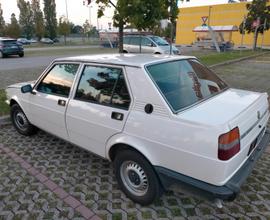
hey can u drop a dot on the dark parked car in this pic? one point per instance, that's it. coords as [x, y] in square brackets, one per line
[10, 46]
[56, 40]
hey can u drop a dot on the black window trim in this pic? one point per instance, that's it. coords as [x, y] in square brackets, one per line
[48, 70]
[103, 104]
[165, 99]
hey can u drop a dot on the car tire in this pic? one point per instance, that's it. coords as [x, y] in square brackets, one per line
[136, 177]
[21, 54]
[20, 121]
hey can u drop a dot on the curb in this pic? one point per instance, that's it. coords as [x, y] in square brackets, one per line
[238, 60]
[5, 120]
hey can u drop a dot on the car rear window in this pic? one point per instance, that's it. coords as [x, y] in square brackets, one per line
[185, 82]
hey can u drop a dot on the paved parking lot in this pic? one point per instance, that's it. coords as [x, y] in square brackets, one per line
[89, 180]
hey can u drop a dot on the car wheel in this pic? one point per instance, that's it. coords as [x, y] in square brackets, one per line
[20, 121]
[136, 177]
[21, 54]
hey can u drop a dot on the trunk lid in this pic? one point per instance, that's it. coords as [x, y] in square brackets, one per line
[233, 107]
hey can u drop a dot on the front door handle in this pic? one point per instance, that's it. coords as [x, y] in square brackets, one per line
[117, 116]
[61, 102]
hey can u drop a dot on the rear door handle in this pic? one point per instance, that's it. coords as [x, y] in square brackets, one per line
[61, 102]
[117, 116]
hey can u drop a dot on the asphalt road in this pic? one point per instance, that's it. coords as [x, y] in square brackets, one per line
[12, 63]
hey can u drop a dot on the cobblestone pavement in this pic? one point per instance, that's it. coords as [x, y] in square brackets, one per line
[90, 179]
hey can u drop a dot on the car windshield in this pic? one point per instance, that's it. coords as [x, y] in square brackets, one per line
[160, 41]
[185, 82]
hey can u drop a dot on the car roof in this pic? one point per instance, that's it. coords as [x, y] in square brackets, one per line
[134, 60]
[143, 35]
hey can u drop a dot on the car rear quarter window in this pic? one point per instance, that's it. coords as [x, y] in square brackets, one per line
[59, 80]
[103, 85]
[185, 82]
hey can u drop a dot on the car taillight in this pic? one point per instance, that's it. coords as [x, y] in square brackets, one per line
[229, 144]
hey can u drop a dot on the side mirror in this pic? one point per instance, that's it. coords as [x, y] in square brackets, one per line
[26, 89]
[151, 45]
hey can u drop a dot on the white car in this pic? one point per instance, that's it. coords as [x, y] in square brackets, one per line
[161, 120]
[149, 44]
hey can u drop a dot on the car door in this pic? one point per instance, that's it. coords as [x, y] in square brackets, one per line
[134, 46]
[99, 108]
[49, 99]
[147, 45]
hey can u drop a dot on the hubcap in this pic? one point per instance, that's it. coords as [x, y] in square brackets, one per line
[134, 178]
[20, 120]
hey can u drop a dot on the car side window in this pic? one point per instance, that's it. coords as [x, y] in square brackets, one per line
[59, 80]
[103, 85]
[135, 41]
[126, 40]
[146, 42]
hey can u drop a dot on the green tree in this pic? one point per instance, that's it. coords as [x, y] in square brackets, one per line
[13, 29]
[26, 18]
[50, 18]
[64, 28]
[2, 22]
[39, 28]
[119, 17]
[257, 10]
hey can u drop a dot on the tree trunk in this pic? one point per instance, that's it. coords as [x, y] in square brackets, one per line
[255, 39]
[121, 35]
[65, 37]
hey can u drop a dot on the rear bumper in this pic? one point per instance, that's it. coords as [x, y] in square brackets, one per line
[13, 52]
[226, 192]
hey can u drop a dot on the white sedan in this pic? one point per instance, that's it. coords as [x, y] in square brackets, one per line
[161, 120]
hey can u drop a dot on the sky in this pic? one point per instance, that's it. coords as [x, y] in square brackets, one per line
[78, 13]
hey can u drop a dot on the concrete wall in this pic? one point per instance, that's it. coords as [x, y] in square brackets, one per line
[225, 14]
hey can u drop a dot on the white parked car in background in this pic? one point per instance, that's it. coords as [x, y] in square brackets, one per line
[149, 44]
[161, 120]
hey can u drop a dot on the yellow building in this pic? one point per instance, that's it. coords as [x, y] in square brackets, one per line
[220, 15]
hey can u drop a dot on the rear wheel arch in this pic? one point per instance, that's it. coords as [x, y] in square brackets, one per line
[121, 146]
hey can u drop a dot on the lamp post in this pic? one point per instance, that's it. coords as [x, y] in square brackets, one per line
[90, 20]
[67, 10]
